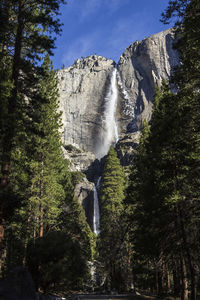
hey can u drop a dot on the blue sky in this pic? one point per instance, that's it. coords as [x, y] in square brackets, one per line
[105, 27]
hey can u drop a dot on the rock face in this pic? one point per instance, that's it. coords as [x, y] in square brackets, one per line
[85, 90]
[142, 66]
[82, 90]
[85, 162]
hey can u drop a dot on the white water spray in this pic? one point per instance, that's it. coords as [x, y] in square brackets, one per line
[109, 133]
[96, 214]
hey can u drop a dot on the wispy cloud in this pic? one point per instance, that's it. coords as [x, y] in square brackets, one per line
[89, 7]
[79, 48]
[105, 27]
[124, 33]
[114, 5]
[111, 43]
[109, 36]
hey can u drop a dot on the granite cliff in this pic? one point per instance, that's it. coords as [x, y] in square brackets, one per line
[84, 85]
[90, 83]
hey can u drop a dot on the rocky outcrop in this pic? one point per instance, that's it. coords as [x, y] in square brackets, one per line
[84, 191]
[85, 89]
[126, 148]
[82, 89]
[85, 166]
[142, 66]
[84, 85]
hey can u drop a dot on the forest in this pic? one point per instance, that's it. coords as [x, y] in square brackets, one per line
[149, 236]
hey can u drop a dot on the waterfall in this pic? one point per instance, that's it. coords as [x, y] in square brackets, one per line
[96, 214]
[108, 136]
[109, 132]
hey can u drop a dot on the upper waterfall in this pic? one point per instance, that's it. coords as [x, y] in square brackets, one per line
[109, 131]
[86, 86]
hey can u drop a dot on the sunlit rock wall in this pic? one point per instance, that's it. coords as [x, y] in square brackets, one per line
[142, 66]
[83, 87]
[82, 90]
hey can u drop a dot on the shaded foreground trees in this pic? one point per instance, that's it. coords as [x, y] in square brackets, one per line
[37, 202]
[26, 35]
[165, 184]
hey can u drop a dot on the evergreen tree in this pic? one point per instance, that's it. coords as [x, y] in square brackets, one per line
[47, 166]
[48, 216]
[39, 172]
[112, 231]
[26, 35]
[166, 185]
[166, 176]
[187, 81]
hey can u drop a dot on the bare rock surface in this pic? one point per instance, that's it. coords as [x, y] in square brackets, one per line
[83, 87]
[86, 163]
[142, 66]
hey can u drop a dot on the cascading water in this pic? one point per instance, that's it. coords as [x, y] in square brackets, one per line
[109, 132]
[109, 135]
[96, 215]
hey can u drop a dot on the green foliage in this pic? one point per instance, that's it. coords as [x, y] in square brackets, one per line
[175, 10]
[57, 263]
[165, 181]
[112, 186]
[77, 177]
[47, 217]
[47, 166]
[164, 186]
[112, 243]
[36, 184]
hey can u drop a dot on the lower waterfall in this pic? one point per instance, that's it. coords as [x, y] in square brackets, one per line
[96, 213]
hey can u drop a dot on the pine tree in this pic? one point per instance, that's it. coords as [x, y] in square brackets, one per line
[26, 35]
[112, 231]
[187, 80]
[166, 185]
[48, 208]
[166, 176]
[47, 165]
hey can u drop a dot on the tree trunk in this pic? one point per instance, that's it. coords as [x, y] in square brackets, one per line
[41, 223]
[176, 282]
[168, 281]
[10, 132]
[12, 104]
[184, 281]
[41, 209]
[189, 259]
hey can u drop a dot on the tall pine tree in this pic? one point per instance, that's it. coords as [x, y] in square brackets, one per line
[112, 206]
[26, 35]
